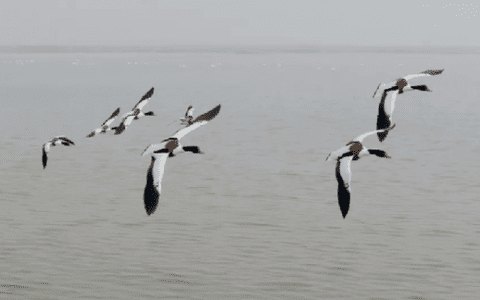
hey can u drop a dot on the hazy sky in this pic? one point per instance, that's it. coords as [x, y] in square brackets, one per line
[167, 22]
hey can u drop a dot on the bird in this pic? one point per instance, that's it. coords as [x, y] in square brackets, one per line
[354, 150]
[135, 113]
[188, 120]
[403, 85]
[58, 140]
[385, 109]
[169, 147]
[106, 125]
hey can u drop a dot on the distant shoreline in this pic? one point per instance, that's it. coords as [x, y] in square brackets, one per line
[241, 49]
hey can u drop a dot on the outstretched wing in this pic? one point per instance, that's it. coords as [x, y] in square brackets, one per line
[154, 147]
[189, 112]
[153, 186]
[209, 115]
[144, 100]
[45, 149]
[65, 141]
[385, 111]
[127, 120]
[199, 121]
[363, 136]
[424, 73]
[112, 117]
[94, 132]
[343, 174]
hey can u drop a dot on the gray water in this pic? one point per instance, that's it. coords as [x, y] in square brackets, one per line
[256, 216]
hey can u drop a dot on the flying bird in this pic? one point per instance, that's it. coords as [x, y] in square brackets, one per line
[106, 125]
[354, 150]
[135, 113]
[169, 148]
[58, 140]
[385, 108]
[188, 120]
[402, 83]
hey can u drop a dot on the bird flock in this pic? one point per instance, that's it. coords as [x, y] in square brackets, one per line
[169, 147]
[355, 149]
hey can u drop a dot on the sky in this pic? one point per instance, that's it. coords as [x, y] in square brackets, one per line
[240, 22]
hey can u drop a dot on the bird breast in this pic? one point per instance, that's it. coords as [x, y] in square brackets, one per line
[356, 147]
[401, 83]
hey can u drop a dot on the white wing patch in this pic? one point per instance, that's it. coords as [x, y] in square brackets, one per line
[158, 170]
[153, 147]
[408, 77]
[363, 136]
[128, 120]
[346, 172]
[184, 131]
[190, 112]
[424, 73]
[389, 105]
[141, 104]
[46, 147]
[109, 121]
[337, 153]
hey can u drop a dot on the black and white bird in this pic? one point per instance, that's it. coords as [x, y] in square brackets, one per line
[188, 119]
[354, 150]
[402, 83]
[58, 140]
[169, 148]
[385, 108]
[106, 125]
[135, 113]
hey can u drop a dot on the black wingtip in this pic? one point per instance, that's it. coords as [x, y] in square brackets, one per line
[209, 115]
[433, 72]
[382, 135]
[342, 192]
[44, 158]
[150, 194]
[344, 210]
[148, 94]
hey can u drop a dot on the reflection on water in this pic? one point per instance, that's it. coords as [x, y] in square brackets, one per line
[257, 215]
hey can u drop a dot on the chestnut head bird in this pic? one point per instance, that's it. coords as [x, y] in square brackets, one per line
[354, 150]
[58, 140]
[169, 148]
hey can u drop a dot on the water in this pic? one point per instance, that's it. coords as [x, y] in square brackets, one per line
[256, 216]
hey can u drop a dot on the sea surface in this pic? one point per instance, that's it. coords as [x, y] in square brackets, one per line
[256, 216]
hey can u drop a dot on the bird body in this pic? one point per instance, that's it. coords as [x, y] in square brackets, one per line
[354, 150]
[168, 148]
[58, 140]
[393, 89]
[135, 113]
[403, 85]
[188, 119]
[106, 125]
